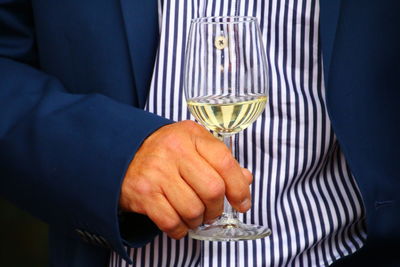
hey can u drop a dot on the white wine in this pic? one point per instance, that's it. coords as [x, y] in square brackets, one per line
[227, 114]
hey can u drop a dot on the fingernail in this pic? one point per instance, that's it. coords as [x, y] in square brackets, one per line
[245, 205]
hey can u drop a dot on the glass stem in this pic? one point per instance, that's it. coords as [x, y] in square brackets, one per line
[229, 211]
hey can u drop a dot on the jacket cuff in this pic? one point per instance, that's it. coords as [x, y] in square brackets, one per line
[116, 229]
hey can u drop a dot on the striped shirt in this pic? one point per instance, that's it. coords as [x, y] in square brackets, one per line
[303, 188]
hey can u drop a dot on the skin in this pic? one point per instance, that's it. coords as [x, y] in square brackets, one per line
[179, 178]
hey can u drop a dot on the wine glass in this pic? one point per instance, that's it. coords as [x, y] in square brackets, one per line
[226, 84]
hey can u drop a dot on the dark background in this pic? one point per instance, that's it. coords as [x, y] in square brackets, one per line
[23, 239]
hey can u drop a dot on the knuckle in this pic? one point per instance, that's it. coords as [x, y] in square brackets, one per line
[248, 175]
[170, 225]
[192, 127]
[170, 140]
[227, 161]
[146, 181]
[143, 187]
[216, 190]
[195, 213]
[152, 168]
[238, 195]
[179, 233]
[189, 124]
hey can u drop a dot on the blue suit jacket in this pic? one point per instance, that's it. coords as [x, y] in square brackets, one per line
[74, 76]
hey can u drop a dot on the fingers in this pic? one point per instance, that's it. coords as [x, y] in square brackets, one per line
[236, 180]
[248, 175]
[161, 194]
[179, 177]
[206, 182]
[186, 203]
[165, 217]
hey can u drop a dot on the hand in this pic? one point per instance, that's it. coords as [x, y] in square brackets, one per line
[179, 178]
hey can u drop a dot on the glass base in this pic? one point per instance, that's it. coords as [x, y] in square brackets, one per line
[229, 229]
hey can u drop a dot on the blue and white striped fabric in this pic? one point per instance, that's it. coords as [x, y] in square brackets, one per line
[303, 189]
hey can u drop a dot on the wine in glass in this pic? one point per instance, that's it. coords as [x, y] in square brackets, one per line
[226, 85]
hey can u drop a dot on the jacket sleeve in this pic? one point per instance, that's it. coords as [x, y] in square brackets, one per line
[62, 155]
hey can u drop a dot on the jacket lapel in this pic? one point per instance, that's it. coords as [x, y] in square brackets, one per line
[141, 27]
[329, 16]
